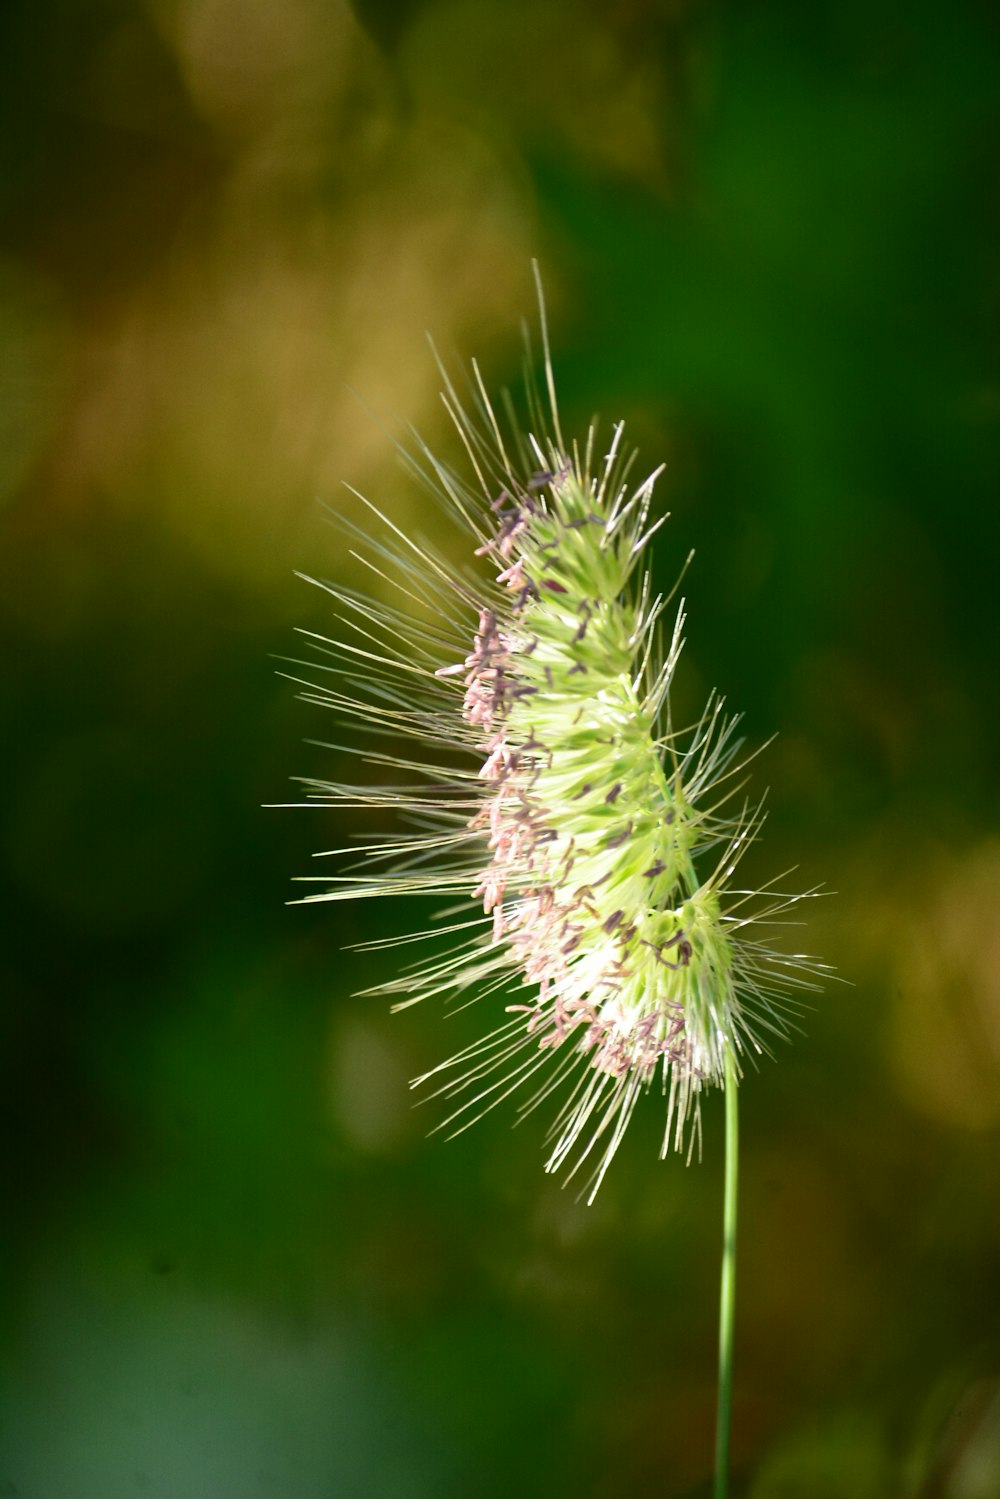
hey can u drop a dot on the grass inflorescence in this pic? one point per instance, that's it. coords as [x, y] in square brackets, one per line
[586, 844]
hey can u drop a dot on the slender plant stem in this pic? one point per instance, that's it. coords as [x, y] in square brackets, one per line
[727, 1289]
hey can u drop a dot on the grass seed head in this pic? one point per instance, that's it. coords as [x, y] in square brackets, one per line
[526, 705]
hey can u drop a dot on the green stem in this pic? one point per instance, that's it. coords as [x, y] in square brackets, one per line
[727, 1289]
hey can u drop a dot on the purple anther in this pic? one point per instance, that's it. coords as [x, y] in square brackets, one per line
[684, 950]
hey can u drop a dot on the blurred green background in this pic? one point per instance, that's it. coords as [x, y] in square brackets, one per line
[234, 1264]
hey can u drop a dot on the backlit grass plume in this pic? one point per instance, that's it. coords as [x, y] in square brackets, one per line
[584, 844]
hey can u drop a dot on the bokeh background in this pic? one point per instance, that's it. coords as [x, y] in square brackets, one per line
[234, 1265]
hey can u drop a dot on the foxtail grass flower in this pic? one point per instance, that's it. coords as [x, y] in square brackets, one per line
[585, 844]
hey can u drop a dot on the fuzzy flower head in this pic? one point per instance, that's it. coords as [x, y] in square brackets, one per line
[526, 700]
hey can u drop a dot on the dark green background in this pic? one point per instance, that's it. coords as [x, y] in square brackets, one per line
[233, 1263]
